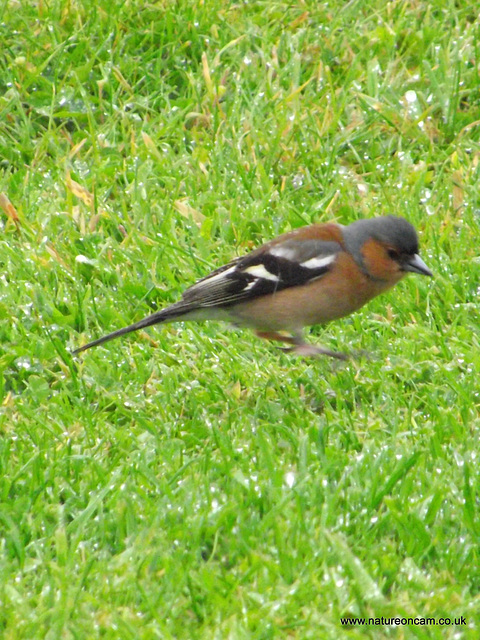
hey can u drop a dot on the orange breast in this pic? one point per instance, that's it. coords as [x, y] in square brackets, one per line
[318, 302]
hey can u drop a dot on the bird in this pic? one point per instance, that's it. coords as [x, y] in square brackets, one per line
[311, 275]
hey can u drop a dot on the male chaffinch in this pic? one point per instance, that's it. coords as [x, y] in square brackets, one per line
[308, 276]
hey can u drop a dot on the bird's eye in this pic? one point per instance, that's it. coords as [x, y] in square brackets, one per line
[393, 254]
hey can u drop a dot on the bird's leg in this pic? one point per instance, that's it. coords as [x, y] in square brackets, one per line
[279, 337]
[299, 346]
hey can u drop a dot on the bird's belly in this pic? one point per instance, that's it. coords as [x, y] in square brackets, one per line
[292, 309]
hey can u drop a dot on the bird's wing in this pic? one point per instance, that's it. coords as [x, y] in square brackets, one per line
[269, 269]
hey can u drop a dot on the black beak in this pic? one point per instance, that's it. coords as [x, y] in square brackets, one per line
[416, 265]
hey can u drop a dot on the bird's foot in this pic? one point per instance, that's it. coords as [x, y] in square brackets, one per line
[312, 350]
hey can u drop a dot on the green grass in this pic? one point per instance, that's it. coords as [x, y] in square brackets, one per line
[192, 482]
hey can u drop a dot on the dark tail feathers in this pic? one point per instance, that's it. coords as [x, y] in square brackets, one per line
[165, 315]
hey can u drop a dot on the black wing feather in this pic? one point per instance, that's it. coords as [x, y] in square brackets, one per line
[242, 279]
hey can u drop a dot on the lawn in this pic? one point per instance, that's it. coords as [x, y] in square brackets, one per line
[190, 481]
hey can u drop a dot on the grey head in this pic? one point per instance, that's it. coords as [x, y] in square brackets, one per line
[398, 236]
